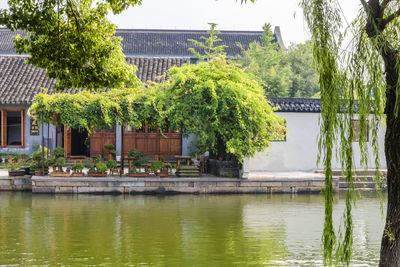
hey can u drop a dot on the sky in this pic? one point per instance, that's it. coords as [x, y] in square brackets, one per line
[228, 14]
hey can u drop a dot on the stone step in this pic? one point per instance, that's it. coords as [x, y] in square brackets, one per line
[369, 172]
[359, 185]
[360, 179]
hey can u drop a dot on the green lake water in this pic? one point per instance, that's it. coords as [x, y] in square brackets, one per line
[182, 230]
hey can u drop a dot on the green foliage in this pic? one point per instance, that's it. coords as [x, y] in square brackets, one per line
[134, 153]
[89, 110]
[77, 168]
[60, 162]
[269, 64]
[101, 167]
[37, 156]
[108, 146]
[112, 165]
[304, 76]
[222, 105]
[365, 75]
[141, 162]
[14, 166]
[157, 166]
[207, 45]
[51, 162]
[58, 152]
[73, 40]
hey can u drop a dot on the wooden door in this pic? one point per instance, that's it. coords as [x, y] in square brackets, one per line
[67, 141]
[97, 141]
[152, 142]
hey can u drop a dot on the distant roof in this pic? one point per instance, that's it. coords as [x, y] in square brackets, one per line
[162, 43]
[296, 104]
[20, 82]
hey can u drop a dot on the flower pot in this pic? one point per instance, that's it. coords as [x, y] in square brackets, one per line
[41, 174]
[77, 175]
[16, 173]
[95, 174]
[59, 174]
[162, 174]
[144, 174]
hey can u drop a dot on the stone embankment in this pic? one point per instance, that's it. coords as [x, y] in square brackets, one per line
[258, 183]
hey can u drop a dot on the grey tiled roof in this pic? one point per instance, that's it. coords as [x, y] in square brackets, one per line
[296, 104]
[161, 43]
[20, 82]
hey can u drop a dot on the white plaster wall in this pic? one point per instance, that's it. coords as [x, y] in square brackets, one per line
[299, 151]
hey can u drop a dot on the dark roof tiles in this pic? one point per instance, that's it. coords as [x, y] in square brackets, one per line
[312, 105]
[161, 43]
[20, 82]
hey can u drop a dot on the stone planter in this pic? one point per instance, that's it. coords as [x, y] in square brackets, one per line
[77, 175]
[144, 174]
[224, 168]
[95, 174]
[59, 174]
[161, 174]
[16, 173]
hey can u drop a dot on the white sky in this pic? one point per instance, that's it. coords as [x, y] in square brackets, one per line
[229, 14]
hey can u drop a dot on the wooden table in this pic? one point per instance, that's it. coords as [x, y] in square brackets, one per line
[183, 158]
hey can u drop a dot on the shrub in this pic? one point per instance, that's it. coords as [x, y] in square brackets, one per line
[112, 164]
[157, 166]
[101, 167]
[134, 153]
[58, 152]
[108, 146]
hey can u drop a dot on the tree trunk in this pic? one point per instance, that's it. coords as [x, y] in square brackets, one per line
[390, 246]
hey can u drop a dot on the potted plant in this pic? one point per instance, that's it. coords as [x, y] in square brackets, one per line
[77, 170]
[15, 169]
[108, 148]
[159, 168]
[135, 154]
[112, 166]
[97, 168]
[140, 168]
[36, 164]
[59, 162]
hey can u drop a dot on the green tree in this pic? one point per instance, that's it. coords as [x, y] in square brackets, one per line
[73, 40]
[367, 72]
[225, 107]
[304, 77]
[269, 64]
[207, 45]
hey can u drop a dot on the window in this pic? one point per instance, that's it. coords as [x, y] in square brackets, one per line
[12, 128]
[279, 134]
[355, 125]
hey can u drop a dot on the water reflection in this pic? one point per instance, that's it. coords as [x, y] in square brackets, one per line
[176, 230]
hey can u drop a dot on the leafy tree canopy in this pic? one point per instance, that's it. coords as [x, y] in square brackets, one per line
[73, 40]
[269, 63]
[208, 45]
[304, 76]
[225, 107]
